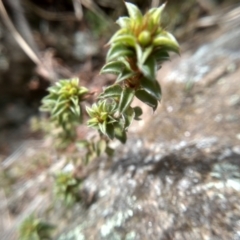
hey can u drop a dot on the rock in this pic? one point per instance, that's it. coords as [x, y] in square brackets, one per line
[190, 192]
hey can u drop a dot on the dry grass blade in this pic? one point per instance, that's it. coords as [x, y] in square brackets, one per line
[23, 44]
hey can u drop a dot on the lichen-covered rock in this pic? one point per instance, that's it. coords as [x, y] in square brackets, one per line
[188, 190]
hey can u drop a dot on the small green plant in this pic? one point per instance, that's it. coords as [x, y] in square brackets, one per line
[63, 104]
[33, 228]
[136, 52]
[67, 188]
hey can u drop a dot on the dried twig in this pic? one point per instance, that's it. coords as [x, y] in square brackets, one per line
[23, 44]
[78, 9]
[47, 71]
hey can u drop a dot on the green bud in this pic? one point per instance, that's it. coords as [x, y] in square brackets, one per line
[144, 38]
[73, 91]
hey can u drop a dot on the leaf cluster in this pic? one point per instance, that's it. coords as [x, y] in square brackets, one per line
[67, 188]
[63, 102]
[94, 148]
[33, 228]
[64, 105]
[136, 51]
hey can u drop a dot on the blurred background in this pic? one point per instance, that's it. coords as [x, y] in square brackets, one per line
[42, 41]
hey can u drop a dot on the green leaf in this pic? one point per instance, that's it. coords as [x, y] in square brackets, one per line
[166, 41]
[103, 127]
[124, 22]
[128, 115]
[133, 11]
[75, 110]
[125, 62]
[149, 68]
[147, 99]
[161, 55]
[53, 89]
[138, 112]
[125, 74]
[109, 151]
[152, 87]
[47, 101]
[91, 111]
[118, 50]
[82, 143]
[82, 91]
[60, 103]
[74, 100]
[125, 99]
[139, 53]
[126, 39]
[156, 13]
[114, 67]
[110, 131]
[120, 133]
[146, 54]
[111, 91]
[119, 32]
[58, 111]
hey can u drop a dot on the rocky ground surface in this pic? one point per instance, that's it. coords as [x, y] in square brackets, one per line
[177, 177]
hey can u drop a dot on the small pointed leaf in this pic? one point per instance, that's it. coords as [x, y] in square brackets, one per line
[161, 56]
[110, 131]
[118, 33]
[152, 87]
[114, 67]
[103, 127]
[58, 111]
[147, 99]
[120, 133]
[138, 112]
[111, 91]
[74, 100]
[125, 74]
[126, 39]
[128, 115]
[90, 111]
[167, 41]
[156, 14]
[146, 54]
[124, 22]
[125, 99]
[133, 11]
[139, 53]
[117, 51]
[149, 68]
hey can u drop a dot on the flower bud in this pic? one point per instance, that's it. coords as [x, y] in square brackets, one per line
[144, 38]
